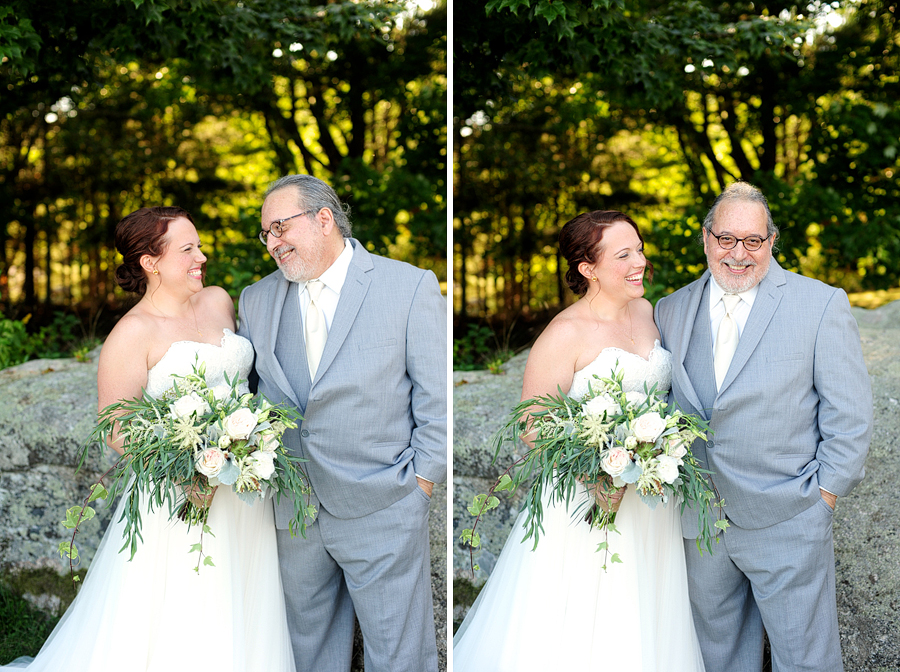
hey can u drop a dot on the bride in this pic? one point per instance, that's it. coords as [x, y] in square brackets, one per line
[154, 612]
[555, 607]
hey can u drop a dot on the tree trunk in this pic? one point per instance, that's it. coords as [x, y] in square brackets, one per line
[28, 242]
[48, 296]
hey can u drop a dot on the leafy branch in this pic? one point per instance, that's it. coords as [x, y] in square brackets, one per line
[603, 442]
[189, 441]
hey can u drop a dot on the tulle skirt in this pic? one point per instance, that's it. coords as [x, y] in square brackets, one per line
[555, 608]
[155, 613]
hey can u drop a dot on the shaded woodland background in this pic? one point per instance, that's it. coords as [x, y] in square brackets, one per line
[109, 105]
[652, 107]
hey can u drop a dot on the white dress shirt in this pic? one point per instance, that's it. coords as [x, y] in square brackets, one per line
[717, 307]
[333, 278]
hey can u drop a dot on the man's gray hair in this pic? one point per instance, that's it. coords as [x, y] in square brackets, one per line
[314, 194]
[741, 191]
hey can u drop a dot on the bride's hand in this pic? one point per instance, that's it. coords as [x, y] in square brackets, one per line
[199, 495]
[609, 501]
[606, 497]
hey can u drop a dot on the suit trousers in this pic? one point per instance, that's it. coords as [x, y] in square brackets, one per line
[378, 567]
[778, 579]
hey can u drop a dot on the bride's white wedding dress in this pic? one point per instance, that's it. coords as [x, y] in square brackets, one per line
[155, 613]
[555, 608]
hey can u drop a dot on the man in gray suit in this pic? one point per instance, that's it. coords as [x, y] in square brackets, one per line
[773, 360]
[357, 343]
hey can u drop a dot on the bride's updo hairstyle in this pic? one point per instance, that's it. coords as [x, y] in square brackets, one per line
[143, 232]
[580, 239]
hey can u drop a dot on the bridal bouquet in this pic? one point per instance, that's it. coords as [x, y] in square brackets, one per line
[179, 447]
[608, 440]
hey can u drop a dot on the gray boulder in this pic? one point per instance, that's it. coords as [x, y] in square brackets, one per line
[47, 410]
[866, 529]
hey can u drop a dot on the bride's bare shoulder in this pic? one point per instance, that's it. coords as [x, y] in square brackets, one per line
[130, 338]
[561, 340]
[569, 324]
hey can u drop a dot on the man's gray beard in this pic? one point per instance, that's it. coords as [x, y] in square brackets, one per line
[294, 274]
[304, 269]
[734, 285]
[301, 269]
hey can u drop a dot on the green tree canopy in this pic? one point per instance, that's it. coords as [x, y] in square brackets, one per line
[683, 97]
[108, 105]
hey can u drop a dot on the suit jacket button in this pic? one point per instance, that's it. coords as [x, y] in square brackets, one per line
[304, 433]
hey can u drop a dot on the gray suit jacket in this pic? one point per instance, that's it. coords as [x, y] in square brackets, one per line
[376, 413]
[794, 412]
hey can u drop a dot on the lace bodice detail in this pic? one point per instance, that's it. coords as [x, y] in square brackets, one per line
[233, 355]
[656, 369]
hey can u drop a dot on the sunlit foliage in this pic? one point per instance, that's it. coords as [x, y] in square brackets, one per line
[652, 108]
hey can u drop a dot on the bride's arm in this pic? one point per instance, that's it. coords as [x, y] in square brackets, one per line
[122, 370]
[550, 368]
[551, 363]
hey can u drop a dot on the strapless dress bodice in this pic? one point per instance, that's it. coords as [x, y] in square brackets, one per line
[233, 355]
[656, 369]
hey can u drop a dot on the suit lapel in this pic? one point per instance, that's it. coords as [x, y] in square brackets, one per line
[352, 294]
[279, 377]
[764, 306]
[684, 329]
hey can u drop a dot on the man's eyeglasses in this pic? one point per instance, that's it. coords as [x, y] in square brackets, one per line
[729, 242]
[277, 227]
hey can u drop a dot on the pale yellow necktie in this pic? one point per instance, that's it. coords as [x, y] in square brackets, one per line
[727, 338]
[315, 330]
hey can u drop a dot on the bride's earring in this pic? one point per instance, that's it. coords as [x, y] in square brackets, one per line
[593, 278]
[155, 271]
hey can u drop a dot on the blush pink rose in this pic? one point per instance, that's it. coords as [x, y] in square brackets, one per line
[615, 461]
[210, 462]
[239, 424]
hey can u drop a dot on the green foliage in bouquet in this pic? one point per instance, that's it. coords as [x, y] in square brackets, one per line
[187, 442]
[606, 441]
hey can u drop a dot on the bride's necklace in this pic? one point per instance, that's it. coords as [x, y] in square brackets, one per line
[630, 324]
[193, 312]
[197, 326]
[630, 334]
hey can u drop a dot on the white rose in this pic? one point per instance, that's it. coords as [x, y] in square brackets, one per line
[224, 441]
[648, 427]
[210, 462]
[616, 461]
[239, 424]
[262, 464]
[631, 443]
[667, 468]
[635, 399]
[600, 405]
[268, 443]
[221, 392]
[677, 448]
[189, 404]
